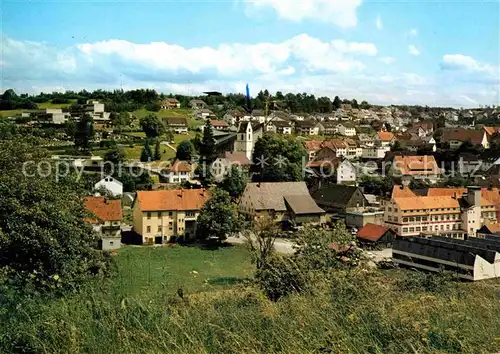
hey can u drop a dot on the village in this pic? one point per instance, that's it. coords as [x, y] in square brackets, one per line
[423, 182]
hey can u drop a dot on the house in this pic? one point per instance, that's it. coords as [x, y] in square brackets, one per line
[416, 167]
[280, 127]
[386, 138]
[178, 124]
[422, 129]
[96, 110]
[165, 215]
[222, 165]
[346, 129]
[280, 201]
[338, 168]
[203, 113]
[375, 153]
[106, 218]
[246, 137]
[329, 127]
[449, 216]
[312, 147]
[112, 185]
[233, 117]
[472, 259]
[197, 104]
[415, 145]
[219, 124]
[368, 140]
[49, 116]
[307, 127]
[456, 137]
[170, 103]
[338, 198]
[373, 236]
[489, 229]
[178, 172]
[490, 131]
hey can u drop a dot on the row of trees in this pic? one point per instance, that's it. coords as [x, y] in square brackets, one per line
[128, 101]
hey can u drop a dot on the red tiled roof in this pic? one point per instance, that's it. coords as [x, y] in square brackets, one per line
[491, 130]
[417, 165]
[218, 123]
[313, 145]
[180, 166]
[237, 157]
[177, 199]
[385, 136]
[103, 209]
[463, 135]
[372, 232]
[446, 192]
[401, 192]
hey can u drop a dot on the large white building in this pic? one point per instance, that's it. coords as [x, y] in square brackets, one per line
[111, 184]
[247, 136]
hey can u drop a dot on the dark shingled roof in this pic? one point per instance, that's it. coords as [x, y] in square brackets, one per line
[335, 195]
[306, 123]
[176, 121]
[303, 204]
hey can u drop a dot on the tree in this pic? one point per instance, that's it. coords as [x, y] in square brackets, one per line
[207, 145]
[157, 155]
[234, 182]
[364, 105]
[218, 217]
[152, 126]
[45, 243]
[146, 153]
[337, 102]
[120, 120]
[388, 127]
[116, 155]
[325, 105]
[84, 133]
[70, 128]
[354, 104]
[185, 150]
[279, 158]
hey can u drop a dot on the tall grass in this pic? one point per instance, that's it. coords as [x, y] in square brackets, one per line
[351, 312]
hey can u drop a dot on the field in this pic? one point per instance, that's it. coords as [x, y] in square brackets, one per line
[190, 300]
[163, 270]
[193, 123]
[17, 112]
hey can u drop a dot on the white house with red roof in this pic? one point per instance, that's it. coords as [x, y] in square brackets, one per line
[105, 215]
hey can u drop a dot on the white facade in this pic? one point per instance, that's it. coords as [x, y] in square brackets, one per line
[114, 186]
[375, 152]
[346, 172]
[246, 139]
[346, 131]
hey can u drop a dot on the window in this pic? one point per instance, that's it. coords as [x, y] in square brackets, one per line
[447, 227]
[412, 229]
[405, 229]
[412, 219]
[159, 229]
[396, 219]
[170, 225]
[424, 218]
[405, 219]
[389, 209]
[148, 215]
[148, 229]
[417, 218]
[111, 243]
[159, 214]
[170, 213]
[442, 227]
[424, 228]
[417, 229]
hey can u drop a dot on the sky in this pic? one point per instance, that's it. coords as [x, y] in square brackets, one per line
[427, 52]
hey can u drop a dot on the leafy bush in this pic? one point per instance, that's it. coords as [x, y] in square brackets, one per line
[281, 276]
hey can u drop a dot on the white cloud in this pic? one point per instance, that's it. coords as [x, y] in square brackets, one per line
[413, 50]
[464, 62]
[355, 47]
[299, 64]
[341, 13]
[387, 60]
[378, 23]
[412, 32]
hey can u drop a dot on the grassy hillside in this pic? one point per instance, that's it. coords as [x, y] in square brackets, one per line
[220, 312]
[164, 113]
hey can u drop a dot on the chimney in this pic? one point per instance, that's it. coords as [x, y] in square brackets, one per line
[474, 195]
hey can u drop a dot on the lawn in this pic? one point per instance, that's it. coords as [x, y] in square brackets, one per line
[17, 112]
[161, 270]
[55, 105]
[193, 123]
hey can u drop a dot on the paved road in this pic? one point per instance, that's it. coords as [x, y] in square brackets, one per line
[170, 146]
